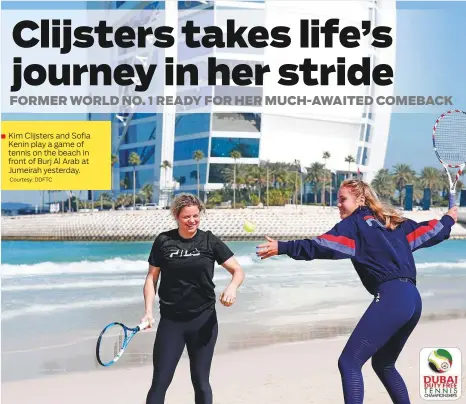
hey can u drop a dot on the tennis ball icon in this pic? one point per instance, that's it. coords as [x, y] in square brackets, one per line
[249, 226]
[440, 360]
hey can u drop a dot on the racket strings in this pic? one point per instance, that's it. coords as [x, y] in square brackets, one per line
[118, 345]
[111, 343]
[450, 138]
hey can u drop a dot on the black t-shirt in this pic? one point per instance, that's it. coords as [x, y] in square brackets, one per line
[186, 271]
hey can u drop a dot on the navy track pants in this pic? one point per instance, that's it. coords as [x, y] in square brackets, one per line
[381, 335]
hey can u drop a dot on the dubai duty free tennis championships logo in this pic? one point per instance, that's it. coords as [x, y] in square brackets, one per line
[440, 374]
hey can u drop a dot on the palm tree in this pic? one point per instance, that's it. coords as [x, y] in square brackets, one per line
[165, 165]
[235, 155]
[460, 185]
[431, 178]
[402, 175]
[325, 156]
[445, 183]
[349, 159]
[314, 175]
[279, 175]
[105, 197]
[250, 181]
[258, 174]
[383, 183]
[418, 190]
[123, 200]
[198, 155]
[134, 160]
[146, 191]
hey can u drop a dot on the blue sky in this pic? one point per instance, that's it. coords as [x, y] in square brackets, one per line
[430, 60]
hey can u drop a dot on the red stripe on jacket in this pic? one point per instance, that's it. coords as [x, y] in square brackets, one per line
[421, 231]
[347, 242]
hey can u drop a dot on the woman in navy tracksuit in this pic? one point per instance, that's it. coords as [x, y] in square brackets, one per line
[380, 244]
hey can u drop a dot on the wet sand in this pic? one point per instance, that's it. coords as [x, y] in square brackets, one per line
[286, 372]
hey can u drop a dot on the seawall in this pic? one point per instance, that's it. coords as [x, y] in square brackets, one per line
[277, 222]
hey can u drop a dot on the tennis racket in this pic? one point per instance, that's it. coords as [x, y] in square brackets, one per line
[449, 139]
[113, 341]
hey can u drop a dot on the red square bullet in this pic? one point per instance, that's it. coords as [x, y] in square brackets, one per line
[3, 136]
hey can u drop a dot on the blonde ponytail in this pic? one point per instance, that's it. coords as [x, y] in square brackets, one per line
[383, 212]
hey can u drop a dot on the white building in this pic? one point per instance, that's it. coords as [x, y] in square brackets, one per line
[260, 133]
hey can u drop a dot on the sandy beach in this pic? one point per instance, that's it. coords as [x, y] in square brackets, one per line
[299, 372]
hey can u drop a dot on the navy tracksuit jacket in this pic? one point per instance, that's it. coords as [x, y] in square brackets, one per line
[378, 254]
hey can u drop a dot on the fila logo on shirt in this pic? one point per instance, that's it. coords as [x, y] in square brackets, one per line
[185, 253]
[370, 220]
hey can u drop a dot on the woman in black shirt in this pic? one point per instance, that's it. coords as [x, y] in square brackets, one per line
[185, 258]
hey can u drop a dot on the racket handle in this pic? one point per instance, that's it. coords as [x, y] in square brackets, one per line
[452, 200]
[143, 325]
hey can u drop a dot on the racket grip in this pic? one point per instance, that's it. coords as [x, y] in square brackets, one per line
[143, 325]
[451, 200]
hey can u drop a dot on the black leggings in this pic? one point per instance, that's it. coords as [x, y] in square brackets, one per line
[199, 335]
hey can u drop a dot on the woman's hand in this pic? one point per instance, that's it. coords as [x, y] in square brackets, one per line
[453, 212]
[148, 317]
[228, 297]
[267, 250]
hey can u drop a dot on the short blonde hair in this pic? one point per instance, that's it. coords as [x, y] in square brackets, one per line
[183, 200]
